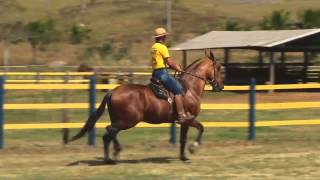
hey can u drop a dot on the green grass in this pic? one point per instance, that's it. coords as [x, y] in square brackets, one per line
[277, 153]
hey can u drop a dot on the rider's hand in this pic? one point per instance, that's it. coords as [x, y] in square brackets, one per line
[179, 68]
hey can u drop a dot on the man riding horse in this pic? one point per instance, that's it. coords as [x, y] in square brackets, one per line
[160, 61]
[129, 104]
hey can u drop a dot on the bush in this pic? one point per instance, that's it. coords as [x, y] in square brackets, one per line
[310, 19]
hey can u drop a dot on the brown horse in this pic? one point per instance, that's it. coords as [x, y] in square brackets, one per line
[130, 104]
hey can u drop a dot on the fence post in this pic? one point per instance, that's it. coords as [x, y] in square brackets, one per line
[65, 117]
[92, 104]
[38, 77]
[173, 134]
[252, 128]
[1, 112]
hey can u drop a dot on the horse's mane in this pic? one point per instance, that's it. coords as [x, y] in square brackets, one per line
[189, 68]
[196, 62]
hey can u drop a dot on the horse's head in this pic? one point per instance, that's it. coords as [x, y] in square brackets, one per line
[214, 76]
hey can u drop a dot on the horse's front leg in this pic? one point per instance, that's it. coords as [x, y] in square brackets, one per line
[183, 140]
[194, 146]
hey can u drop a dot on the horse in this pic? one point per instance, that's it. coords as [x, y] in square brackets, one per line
[130, 104]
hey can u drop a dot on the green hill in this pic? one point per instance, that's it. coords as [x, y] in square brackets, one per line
[125, 26]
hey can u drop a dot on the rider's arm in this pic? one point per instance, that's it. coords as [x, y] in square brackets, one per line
[172, 64]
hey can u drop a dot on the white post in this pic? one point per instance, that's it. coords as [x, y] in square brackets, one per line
[6, 57]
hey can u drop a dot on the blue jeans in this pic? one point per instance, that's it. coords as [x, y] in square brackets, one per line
[168, 81]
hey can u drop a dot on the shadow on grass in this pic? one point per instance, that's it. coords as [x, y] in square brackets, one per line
[100, 162]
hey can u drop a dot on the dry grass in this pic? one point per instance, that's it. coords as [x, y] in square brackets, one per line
[131, 22]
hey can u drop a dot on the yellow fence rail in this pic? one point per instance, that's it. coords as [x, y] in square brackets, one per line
[46, 81]
[112, 86]
[260, 106]
[166, 125]
[46, 73]
[72, 73]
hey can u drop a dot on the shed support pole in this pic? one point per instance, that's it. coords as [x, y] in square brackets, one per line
[272, 70]
[260, 59]
[226, 64]
[283, 57]
[305, 66]
[184, 58]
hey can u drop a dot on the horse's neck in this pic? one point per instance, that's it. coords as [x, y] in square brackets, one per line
[193, 84]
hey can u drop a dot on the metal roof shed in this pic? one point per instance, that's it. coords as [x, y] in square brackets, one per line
[305, 40]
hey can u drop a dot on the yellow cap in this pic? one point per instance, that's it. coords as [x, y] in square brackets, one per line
[160, 32]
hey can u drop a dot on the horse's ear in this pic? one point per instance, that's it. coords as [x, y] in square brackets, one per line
[209, 54]
[206, 53]
[212, 56]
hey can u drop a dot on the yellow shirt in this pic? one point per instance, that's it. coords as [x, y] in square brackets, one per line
[159, 52]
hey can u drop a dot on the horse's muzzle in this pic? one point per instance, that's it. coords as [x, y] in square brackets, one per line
[216, 87]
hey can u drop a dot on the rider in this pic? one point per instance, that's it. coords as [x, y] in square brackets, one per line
[160, 60]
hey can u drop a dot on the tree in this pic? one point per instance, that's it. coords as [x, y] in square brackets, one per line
[232, 25]
[278, 20]
[10, 33]
[41, 33]
[310, 19]
[79, 33]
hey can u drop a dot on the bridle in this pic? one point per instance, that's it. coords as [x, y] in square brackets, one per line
[212, 82]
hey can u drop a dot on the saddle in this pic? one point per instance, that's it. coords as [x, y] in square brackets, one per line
[160, 91]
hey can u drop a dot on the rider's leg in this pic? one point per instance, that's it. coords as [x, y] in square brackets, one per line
[174, 86]
[182, 115]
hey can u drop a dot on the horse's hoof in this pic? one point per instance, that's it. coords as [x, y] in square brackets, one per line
[183, 158]
[193, 147]
[109, 162]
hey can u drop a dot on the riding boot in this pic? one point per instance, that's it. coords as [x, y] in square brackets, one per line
[182, 116]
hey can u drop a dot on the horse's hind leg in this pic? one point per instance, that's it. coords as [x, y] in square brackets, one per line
[117, 148]
[107, 138]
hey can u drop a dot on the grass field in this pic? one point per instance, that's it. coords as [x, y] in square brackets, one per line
[278, 152]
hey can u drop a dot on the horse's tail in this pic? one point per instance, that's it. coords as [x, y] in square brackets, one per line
[94, 117]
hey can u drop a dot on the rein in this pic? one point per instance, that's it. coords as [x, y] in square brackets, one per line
[203, 79]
